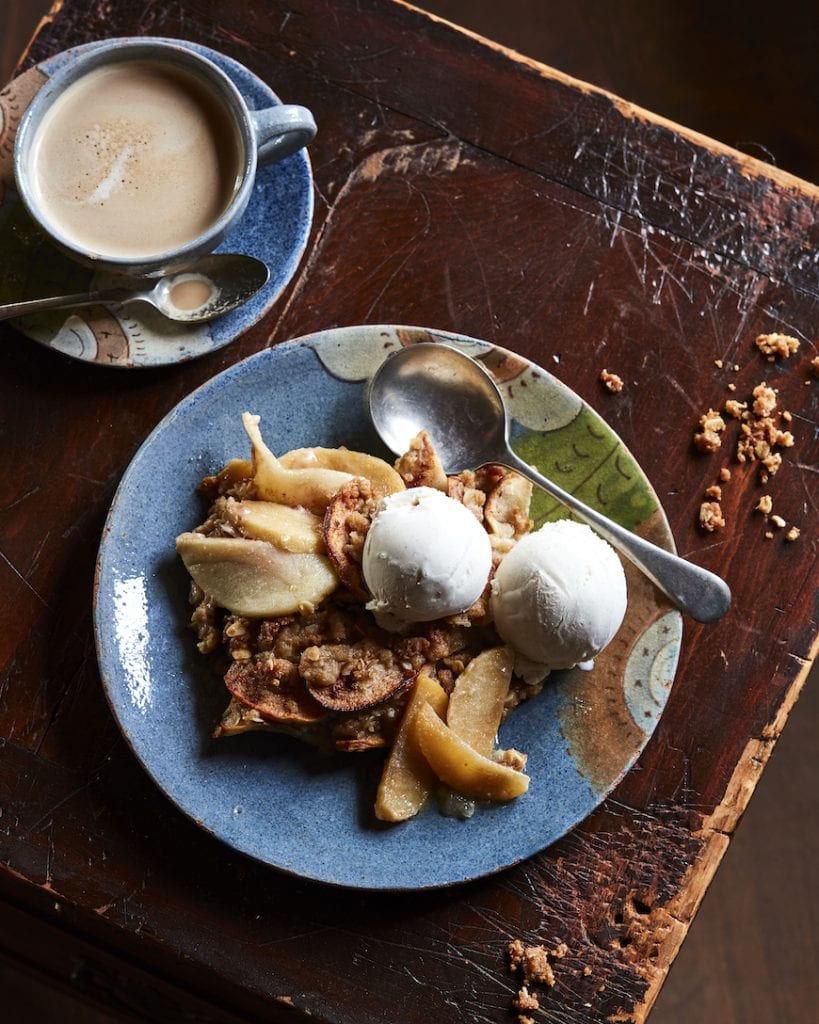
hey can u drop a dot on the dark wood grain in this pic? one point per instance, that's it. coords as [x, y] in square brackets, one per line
[459, 188]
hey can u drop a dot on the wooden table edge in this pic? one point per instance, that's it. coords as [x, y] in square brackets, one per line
[749, 165]
[672, 920]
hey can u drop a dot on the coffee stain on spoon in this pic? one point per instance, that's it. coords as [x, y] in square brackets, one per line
[189, 292]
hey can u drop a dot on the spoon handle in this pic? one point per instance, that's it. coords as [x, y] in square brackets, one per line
[13, 309]
[695, 591]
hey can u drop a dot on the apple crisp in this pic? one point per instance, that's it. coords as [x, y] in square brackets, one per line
[279, 605]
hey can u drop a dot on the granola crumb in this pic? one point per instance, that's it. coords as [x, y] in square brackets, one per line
[536, 966]
[776, 346]
[611, 381]
[765, 504]
[525, 1000]
[725, 474]
[515, 950]
[735, 367]
[732, 386]
[714, 491]
[586, 971]
[735, 408]
[710, 517]
[793, 533]
[764, 400]
[778, 522]
[768, 535]
[525, 1019]
[718, 363]
[787, 416]
[708, 439]
[560, 950]
[814, 365]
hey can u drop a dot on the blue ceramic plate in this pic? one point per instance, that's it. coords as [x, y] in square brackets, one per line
[276, 799]
[274, 228]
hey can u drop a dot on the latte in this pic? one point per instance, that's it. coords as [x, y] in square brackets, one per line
[135, 159]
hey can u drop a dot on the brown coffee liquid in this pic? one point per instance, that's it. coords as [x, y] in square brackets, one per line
[136, 159]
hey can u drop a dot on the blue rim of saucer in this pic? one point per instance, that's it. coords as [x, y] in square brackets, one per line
[274, 228]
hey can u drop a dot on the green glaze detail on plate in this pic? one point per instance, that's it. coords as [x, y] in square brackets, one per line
[587, 459]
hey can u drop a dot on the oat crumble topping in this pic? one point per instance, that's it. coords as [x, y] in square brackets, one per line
[793, 533]
[765, 504]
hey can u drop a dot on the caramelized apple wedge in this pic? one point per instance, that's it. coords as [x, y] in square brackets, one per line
[254, 578]
[311, 488]
[290, 529]
[407, 779]
[476, 703]
[344, 460]
[459, 765]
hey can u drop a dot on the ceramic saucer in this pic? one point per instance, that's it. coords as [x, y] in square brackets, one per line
[274, 228]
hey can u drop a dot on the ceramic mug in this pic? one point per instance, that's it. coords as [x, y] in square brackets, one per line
[139, 155]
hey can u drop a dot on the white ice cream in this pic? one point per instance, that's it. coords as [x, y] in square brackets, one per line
[426, 556]
[558, 597]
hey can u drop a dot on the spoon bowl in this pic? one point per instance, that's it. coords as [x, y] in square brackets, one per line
[208, 288]
[435, 387]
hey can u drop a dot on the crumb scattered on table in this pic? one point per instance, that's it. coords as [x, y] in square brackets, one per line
[778, 522]
[714, 491]
[711, 517]
[725, 474]
[532, 965]
[765, 504]
[776, 346]
[708, 439]
[793, 533]
[611, 381]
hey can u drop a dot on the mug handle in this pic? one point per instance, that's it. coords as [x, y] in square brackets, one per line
[281, 130]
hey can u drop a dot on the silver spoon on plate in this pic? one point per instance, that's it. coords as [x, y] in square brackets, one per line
[438, 388]
[207, 288]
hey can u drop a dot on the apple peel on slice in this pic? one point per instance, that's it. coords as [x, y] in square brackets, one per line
[460, 766]
[254, 578]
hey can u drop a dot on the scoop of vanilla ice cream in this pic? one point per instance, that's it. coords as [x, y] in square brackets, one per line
[426, 556]
[558, 597]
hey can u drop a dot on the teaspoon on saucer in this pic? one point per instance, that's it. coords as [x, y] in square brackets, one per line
[438, 388]
[205, 289]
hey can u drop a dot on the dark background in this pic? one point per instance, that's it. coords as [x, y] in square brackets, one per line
[746, 74]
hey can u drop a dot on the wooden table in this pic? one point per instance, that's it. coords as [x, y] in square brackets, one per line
[461, 188]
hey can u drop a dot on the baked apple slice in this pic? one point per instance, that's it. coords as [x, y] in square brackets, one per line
[353, 677]
[254, 578]
[407, 779]
[476, 702]
[459, 765]
[273, 688]
[381, 475]
[289, 529]
[311, 488]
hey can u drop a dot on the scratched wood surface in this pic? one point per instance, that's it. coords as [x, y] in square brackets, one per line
[459, 188]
